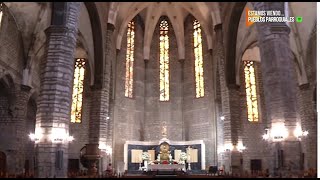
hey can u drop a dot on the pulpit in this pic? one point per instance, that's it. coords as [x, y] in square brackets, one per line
[90, 155]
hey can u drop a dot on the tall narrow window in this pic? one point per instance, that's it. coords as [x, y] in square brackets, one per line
[129, 60]
[1, 13]
[198, 64]
[251, 91]
[76, 108]
[164, 61]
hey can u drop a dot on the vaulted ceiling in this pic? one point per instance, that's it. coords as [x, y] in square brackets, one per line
[120, 14]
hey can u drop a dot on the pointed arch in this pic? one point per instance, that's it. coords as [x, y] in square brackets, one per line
[231, 31]
[97, 43]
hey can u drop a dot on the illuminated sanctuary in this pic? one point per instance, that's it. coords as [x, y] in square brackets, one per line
[118, 89]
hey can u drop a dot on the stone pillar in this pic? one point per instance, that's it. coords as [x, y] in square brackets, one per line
[278, 75]
[19, 118]
[230, 104]
[183, 135]
[308, 123]
[98, 128]
[143, 127]
[54, 104]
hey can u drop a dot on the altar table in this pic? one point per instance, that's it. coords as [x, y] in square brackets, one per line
[155, 167]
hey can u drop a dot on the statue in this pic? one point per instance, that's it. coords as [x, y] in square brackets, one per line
[164, 152]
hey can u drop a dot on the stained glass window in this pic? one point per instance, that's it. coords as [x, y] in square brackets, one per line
[251, 91]
[129, 60]
[198, 64]
[76, 108]
[1, 13]
[164, 61]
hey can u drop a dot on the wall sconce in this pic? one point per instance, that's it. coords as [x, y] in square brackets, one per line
[228, 147]
[298, 133]
[105, 148]
[36, 136]
[220, 149]
[222, 118]
[278, 132]
[240, 147]
[59, 135]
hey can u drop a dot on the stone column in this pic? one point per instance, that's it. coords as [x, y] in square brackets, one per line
[143, 127]
[98, 128]
[19, 117]
[54, 104]
[183, 135]
[278, 75]
[309, 123]
[230, 104]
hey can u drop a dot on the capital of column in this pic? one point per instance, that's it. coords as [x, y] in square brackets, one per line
[58, 29]
[218, 30]
[118, 51]
[279, 28]
[110, 27]
[25, 88]
[218, 27]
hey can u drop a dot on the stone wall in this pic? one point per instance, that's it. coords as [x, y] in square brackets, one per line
[198, 113]
[128, 113]
[11, 50]
[11, 65]
[157, 112]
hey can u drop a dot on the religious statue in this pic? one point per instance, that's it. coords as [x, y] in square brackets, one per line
[164, 152]
[164, 131]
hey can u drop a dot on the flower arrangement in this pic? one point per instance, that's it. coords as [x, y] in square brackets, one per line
[183, 156]
[145, 156]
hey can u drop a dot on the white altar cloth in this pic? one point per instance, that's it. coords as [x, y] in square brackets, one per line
[154, 167]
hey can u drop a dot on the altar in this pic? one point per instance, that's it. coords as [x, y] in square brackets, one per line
[161, 167]
[164, 155]
[134, 152]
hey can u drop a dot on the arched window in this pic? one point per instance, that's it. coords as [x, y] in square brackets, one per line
[129, 60]
[76, 108]
[251, 91]
[164, 61]
[198, 63]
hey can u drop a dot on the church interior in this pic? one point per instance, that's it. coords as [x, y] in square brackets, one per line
[148, 89]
